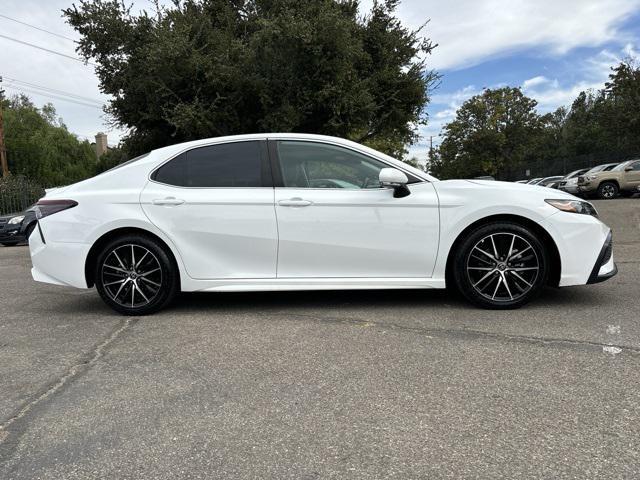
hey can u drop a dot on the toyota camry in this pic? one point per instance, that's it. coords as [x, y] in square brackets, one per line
[308, 212]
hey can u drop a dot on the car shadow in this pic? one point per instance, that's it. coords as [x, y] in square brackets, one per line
[361, 299]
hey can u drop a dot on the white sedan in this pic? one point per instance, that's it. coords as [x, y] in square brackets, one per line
[307, 212]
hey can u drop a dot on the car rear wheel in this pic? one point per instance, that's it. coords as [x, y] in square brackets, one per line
[135, 275]
[607, 190]
[501, 265]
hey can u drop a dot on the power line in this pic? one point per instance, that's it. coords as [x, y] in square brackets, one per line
[51, 95]
[47, 50]
[53, 90]
[37, 28]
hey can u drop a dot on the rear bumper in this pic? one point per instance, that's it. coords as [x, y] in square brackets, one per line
[605, 267]
[58, 262]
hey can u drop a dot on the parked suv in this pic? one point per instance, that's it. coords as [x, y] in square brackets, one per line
[623, 178]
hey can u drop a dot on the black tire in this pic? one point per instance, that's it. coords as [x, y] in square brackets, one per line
[607, 190]
[480, 279]
[152, 277]
[28, 232]
[9, 244]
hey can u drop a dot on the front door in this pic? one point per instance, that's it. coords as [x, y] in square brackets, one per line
[335, 220]
[216, 205]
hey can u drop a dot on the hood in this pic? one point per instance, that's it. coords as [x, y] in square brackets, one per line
[513, 187]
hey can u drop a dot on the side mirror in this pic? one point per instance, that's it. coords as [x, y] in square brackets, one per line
[394, 178]
[628, 169]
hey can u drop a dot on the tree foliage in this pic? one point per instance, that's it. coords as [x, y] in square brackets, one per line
[202, 68]
[491, 133]
[500, 132]
[40, 147]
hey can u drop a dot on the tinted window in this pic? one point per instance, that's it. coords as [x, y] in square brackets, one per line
[226, 165]
[318, 165]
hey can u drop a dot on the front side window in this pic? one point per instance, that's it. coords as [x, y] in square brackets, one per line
[635, 166]
[235, 164]
[320, 165]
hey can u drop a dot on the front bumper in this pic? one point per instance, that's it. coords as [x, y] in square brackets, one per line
[13, 235]
[605, 267]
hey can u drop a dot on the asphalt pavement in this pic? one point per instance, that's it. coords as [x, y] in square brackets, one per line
[397, 384]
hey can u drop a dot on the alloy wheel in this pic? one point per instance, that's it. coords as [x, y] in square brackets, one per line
[503, 267]
[131, 275]
[608, 191]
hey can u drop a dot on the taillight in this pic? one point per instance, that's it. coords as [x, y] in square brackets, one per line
[44, 208]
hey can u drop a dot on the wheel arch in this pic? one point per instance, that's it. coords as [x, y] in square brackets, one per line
[609, 180]
[94, 251]
[546, 238]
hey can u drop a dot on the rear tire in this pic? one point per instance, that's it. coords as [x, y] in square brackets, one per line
[501, 265]
[135, 275]
[9, 244]
[607, 190]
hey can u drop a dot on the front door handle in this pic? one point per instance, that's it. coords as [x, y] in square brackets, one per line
[295, 202]
[169, 201]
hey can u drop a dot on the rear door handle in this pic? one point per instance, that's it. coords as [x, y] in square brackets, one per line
[295, 202]
[169, 201]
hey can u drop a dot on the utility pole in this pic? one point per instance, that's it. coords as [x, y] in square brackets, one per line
[3, 151]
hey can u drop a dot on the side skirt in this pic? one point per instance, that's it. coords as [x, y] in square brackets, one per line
[292, 284]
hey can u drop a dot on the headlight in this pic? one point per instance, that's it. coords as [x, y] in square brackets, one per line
[15, 220]
[574, 206]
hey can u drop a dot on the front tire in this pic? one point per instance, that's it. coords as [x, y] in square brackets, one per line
[607, 190]
[135, 275]
[28, 232]
[501, 265]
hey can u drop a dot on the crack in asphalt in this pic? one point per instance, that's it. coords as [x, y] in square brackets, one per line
[73, 372]
[460, 332]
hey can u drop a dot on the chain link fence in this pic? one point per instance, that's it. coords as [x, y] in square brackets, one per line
[18, 193]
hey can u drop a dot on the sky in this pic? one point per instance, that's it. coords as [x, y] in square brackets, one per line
[553, 49]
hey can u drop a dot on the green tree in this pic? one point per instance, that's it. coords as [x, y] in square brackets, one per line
[40, 147]
[205, 68]
[111, 158]
[493, 134]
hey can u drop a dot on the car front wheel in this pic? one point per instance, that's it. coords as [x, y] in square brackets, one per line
[501, 265]
[135, 275]
[607, 190]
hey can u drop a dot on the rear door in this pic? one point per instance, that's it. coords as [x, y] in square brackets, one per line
[216, 204]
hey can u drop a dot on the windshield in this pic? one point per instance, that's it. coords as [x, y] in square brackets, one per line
[599, 168]
[622, 166]
[575, 173]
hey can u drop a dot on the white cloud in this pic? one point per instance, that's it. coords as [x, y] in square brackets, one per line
[594, 72]
[535, 81]
[471, 31]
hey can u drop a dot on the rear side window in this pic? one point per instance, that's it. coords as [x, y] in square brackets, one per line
[235, 164]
